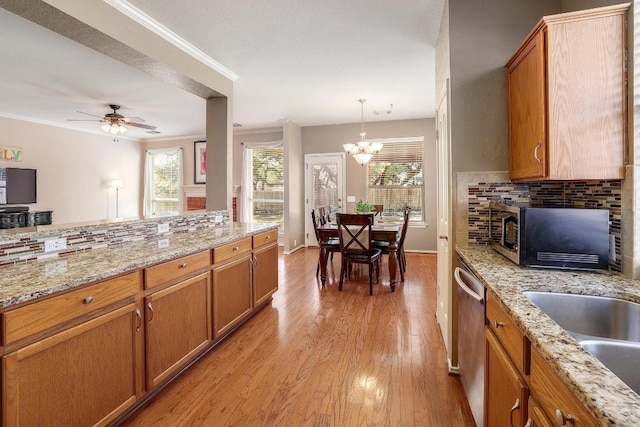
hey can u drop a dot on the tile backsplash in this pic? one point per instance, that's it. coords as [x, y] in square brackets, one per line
[570, 194]
[28, 246]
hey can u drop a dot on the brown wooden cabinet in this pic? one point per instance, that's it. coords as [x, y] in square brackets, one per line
[567, 98]
[506, 393]
[232, 296]
[265, 266]
[178, 326]
[554, 397]
[537, 417]
[83, 376]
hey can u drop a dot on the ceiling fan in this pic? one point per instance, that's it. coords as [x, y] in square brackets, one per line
[114, 122]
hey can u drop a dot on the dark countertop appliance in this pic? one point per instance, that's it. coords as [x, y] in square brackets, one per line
[567, 238]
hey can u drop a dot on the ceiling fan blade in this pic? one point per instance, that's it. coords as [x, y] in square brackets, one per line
[89, 114]
[133, 119]
[140, 125]
[83, 120]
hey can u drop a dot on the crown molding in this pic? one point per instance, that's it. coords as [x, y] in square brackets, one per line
[145, 20]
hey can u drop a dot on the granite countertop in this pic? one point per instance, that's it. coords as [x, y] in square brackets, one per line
[30, 280]
[607, 398]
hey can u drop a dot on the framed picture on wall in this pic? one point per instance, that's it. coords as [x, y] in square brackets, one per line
[200, 162]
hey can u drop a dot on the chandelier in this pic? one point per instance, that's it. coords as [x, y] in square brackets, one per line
[363, 150]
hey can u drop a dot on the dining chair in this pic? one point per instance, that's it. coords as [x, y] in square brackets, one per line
[383, 245]
[378, 210]
[354, 234]
[330, 246]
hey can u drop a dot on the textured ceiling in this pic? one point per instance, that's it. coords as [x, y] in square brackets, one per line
[307, 61]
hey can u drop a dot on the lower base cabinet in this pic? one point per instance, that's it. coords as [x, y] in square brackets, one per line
[178, 326]
[62, 380]
[265, 273]
[506, 393]
[232, 298]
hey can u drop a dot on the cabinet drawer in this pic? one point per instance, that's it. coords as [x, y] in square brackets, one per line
[509, 335]
[553, 395]
[265, 238]
[231, 250]
[171, 270]
[40, 316]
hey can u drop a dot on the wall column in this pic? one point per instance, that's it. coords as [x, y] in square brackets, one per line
[219, 153]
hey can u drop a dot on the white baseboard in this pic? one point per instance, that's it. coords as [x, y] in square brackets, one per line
[293, 250]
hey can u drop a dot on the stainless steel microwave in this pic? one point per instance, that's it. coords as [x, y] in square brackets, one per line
[551, 237]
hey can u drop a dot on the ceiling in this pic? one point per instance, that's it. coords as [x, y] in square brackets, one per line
[302, 60]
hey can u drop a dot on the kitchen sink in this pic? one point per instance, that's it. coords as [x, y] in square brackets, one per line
[608, 328]
[620, 357]
[587, 316]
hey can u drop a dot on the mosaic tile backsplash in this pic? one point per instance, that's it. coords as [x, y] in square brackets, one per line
[573, 194]
[29, 246]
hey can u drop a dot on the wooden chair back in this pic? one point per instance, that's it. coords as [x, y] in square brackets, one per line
[354, 233]
[405, 226]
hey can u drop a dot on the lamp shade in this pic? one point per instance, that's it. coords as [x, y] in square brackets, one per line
[116, 183]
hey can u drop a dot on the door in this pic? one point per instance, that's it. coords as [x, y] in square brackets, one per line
[232, 297]
[265, 273]
[444, 313]
[324, 186]
[178, 326]
[82, 376]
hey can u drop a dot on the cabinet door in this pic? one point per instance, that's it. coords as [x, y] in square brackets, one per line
[82, 376]
[537, 418]
[505, 393]
[232, 300]
[265, 274]
[178, 326]
[527, 111]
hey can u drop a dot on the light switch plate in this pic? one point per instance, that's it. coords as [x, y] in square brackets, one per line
[351, 199]
[163, 228]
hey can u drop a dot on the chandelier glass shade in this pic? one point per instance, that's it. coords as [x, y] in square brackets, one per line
[363, 150]
[114, 128]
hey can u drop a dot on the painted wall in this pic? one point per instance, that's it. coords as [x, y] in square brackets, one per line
[329, 139]
[187, 145]
[74, 170]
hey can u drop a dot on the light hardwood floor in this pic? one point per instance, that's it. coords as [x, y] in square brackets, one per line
[319, 357]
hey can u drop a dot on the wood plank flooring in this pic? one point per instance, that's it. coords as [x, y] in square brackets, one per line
[319, 357]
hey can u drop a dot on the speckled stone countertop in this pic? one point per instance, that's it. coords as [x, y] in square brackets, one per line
[34, 279]
[607, 398]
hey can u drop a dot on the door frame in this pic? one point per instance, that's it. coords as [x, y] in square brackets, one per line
[446, 311]
[310, 238]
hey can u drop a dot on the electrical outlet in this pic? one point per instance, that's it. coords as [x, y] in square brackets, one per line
[51, 245]
[217, 219]
[351, 199]
[163, 243]
[163, 228]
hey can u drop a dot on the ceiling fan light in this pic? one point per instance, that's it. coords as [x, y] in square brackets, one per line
[122, 129]
[114, 130]
[106, 127]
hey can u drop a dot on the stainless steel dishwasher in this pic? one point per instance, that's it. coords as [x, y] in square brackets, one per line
[471, 346]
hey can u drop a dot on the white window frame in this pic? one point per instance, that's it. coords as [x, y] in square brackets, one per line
[148, 181]
[412, 223]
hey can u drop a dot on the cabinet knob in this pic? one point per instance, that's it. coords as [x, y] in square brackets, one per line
[563, 419]
[150, 307]
[139, 323]
[236, 248]
[88, 300]
[497, 324]
[183, 265]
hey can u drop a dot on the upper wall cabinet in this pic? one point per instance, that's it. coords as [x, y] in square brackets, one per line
[567, 96]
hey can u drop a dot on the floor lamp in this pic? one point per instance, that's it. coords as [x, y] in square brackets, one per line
[117, 184]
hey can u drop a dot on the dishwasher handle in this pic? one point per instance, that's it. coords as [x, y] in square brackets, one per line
[460, 272]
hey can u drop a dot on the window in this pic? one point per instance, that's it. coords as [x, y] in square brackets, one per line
[395, 178]
[163, 181]
[263, 187]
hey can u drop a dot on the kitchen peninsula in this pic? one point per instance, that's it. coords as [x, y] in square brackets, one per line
[93, 331]
[607, 400]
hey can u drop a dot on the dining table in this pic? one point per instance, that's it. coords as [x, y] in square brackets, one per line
[380, 231]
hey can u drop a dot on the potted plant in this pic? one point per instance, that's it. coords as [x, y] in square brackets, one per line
[364, 207]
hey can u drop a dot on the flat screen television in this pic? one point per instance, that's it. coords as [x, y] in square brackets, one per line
[17, 186]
